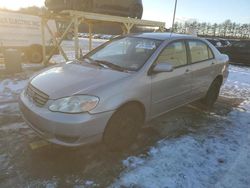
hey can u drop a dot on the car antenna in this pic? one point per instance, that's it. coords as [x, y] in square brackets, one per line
[175, 6]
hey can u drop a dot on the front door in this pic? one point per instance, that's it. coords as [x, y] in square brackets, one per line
[171, 89]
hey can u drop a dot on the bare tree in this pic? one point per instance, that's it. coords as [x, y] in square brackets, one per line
[227, 29]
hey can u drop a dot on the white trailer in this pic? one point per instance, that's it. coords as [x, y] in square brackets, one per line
[23, 32]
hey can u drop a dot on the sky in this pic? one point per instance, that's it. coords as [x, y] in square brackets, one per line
[162, 10]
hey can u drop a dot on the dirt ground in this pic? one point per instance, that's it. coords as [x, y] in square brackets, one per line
[28, 161]
[54, 166]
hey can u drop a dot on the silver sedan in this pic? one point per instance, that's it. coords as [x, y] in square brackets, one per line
[111, 92]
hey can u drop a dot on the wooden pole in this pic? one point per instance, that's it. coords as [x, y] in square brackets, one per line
[90, 35]
[43, 21]
[77, 47]
[60, 41]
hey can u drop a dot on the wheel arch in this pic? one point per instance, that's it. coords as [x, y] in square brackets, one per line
[220, 78]
[137, 103]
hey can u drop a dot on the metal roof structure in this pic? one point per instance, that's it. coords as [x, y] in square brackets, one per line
[75, 18]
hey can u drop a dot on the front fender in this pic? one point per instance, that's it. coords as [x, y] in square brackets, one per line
[129, 90]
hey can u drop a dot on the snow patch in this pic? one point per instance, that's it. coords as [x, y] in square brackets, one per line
[11, 88]
[218, 157]
[14, 127]
[238, 83]
[133, 162]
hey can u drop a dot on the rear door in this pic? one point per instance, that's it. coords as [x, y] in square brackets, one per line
[171, 89]
[202, 64]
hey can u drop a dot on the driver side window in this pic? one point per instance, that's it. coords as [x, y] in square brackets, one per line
[174, 54]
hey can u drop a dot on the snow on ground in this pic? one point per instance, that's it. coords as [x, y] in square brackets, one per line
[238, 83]
[10, 88]
[68, 47]
[219, 156]
[14, 126]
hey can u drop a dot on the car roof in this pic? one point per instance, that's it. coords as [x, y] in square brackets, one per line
[162, 36]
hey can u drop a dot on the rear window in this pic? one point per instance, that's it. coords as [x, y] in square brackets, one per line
[200, 51]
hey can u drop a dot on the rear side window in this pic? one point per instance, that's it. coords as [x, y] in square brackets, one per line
[200, 51]
[210, 53]
[174, 54]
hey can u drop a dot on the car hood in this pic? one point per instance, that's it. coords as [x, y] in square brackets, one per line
[74, 78]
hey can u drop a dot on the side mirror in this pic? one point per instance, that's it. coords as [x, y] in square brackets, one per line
[163, 67]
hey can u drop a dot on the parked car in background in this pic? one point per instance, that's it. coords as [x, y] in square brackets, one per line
[225, 43]
[128, 8]
[106, 37]
[217, 43]
[114, 89]
[233, 40]
[239, 52]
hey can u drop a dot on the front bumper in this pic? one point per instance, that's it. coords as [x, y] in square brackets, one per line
[64, 129]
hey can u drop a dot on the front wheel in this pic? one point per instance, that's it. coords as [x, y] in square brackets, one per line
[123, 128]
[212, 94]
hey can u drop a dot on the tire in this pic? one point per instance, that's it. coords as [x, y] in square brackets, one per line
[69, 36]
[123, 127]
[136, 11]
[212, 94]
[34, 54]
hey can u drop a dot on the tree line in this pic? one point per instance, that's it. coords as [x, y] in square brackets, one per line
[227, 29]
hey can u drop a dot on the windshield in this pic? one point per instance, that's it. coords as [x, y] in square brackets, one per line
[128, 53]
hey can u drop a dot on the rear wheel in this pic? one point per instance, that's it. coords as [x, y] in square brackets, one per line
[123, 127]
[212, 94]
[34, 54]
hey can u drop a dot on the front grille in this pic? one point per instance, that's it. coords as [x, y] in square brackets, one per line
[38, 97]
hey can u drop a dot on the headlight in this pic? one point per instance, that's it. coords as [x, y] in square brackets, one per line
[75, 104]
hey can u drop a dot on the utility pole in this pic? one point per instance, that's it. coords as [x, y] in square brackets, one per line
[175, 6]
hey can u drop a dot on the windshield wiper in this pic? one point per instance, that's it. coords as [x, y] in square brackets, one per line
[93, 62]
[110, 65]
[106, 64]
